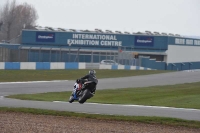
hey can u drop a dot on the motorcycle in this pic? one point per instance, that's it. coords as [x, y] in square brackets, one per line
[85, 93]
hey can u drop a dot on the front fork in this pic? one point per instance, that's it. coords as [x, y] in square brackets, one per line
[75, 94]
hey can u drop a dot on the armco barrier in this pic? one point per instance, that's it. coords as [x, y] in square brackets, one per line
[63, 65]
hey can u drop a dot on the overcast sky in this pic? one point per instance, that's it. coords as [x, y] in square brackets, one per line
[170, 16]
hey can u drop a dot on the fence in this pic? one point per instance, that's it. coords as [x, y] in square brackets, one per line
[51, 54]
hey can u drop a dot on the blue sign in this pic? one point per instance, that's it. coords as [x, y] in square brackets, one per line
[45, 37]
[144, 41]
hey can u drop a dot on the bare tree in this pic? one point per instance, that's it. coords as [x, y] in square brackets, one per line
[8, 17]
[15, 17]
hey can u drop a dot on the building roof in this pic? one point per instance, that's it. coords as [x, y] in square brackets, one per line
[155, 33]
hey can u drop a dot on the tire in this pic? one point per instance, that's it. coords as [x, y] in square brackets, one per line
[71, 99]
[84, 96]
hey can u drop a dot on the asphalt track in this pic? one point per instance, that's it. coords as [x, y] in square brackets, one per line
[111, 83]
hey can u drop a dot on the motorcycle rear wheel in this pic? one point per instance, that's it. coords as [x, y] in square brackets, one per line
[84, 96]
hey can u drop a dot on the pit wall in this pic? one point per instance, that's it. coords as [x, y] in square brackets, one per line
[180, 66]
[153, 64]
[183, 66]
[63, 65]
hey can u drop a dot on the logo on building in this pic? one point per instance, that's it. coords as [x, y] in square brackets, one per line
[144, 41]
[45, 37]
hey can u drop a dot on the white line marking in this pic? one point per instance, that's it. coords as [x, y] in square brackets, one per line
[60, 102]
[161, 107]
[31, 82]
[1, 97]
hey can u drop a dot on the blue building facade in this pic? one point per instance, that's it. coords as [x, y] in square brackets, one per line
[93, 40]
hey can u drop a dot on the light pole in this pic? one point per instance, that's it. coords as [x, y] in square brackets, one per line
[78, 53]
[69, 43]
[1, 24]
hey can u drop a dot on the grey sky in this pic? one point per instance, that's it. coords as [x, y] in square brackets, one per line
[170, 16]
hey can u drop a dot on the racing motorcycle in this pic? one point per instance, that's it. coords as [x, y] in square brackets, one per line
[85, 93]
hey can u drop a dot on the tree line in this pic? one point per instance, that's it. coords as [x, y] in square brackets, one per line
[14, 17]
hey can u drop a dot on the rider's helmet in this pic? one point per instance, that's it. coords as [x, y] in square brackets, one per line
[78, 81]
[92, 72]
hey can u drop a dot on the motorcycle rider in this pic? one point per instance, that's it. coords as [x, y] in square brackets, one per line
[89, 77]
[77, 86]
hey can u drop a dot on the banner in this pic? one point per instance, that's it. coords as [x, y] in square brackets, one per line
[45, 37]
[144, 41]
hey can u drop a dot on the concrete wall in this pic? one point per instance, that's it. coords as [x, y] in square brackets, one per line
[179, 54]
[152, 63]
[63, 65]
[183, 66]
[2, 65]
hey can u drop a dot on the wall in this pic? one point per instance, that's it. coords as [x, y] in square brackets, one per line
[183, 41]
[183, 66]
[64, 38]
[152, 63]
[63, 65]
[146, 63]
[179, 54]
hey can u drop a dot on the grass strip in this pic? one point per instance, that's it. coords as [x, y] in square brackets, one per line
[38, 75]
[142, 119]
[180, 96]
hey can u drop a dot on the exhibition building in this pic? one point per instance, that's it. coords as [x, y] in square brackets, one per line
[149, 50]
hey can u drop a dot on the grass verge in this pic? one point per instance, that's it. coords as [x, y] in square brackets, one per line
[142, 119]
[180, 96]
[38, 75]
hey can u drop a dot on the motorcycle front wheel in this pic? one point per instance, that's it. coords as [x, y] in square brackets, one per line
[71, 99]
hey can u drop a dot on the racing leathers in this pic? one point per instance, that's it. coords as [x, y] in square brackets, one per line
[81, 81]
[90, 77]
